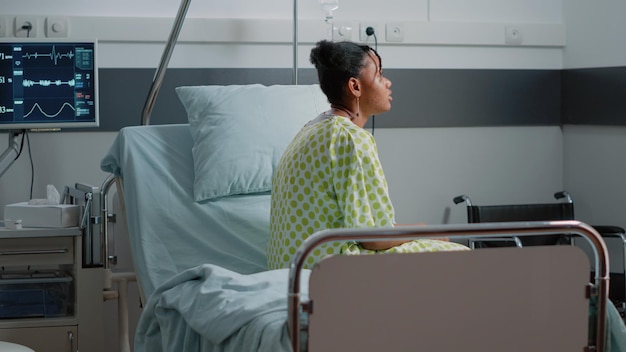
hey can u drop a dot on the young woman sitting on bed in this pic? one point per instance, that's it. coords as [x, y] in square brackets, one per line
[330, 175]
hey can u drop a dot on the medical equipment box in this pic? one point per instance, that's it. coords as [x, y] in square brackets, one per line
[57, 215]
[28, 295]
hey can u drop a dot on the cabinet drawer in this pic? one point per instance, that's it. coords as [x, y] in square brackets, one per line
[44, 339]
[36, 250]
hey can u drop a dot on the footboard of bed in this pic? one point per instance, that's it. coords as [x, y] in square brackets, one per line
[501, 299]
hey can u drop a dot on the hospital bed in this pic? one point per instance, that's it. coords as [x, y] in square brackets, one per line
[196, 201]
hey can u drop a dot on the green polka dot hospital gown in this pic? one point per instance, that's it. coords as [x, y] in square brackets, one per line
[330, 177]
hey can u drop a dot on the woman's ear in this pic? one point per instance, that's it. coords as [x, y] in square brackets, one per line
[354, 85]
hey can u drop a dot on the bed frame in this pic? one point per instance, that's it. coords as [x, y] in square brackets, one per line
[451, 300]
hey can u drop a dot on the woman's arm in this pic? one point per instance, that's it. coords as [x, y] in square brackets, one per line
[382, 245]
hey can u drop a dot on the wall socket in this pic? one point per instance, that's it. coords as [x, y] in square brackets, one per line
[394, 32]
[57, 26]
[31, 21]
[342, 31]
[362, 32]
[513, 35]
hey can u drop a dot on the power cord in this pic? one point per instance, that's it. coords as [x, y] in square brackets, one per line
[26, 137]
[32, 165]
[19, 152]
[371, 32]
[27, 27]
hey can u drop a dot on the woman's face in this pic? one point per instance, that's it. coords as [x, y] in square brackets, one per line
[376, 93]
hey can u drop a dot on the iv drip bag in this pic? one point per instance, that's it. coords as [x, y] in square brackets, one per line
[328, 6]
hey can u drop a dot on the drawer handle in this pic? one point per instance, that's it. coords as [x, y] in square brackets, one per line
[70, 337]
[35, 251]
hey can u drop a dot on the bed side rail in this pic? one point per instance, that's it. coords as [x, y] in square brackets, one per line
[599, 292]
[120, 278]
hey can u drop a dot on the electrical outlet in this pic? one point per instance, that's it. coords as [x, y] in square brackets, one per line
[26, 26]
[3, 26]
[394, 32]
[363, 31]
[342, 31]
[57, 27]
[513, 35]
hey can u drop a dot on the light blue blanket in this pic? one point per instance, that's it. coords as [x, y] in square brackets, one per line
[209, 308]
[617, 330]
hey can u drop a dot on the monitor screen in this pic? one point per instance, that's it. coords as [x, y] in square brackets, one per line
[48, 84]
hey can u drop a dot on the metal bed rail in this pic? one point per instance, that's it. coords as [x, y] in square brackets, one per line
[159, 75]
[599, 292]
[120, 278]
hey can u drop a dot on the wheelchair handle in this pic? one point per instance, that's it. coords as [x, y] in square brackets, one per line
[462, 198]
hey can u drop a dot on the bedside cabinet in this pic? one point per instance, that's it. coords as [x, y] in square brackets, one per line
[49, 301]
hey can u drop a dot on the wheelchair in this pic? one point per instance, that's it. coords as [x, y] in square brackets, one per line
[562, 209]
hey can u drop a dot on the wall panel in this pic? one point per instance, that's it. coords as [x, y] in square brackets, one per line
[422, 97]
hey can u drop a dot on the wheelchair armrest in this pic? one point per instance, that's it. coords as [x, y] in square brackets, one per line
[610, 231]
[514, 239]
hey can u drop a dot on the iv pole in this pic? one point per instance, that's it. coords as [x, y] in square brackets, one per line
[165, 59]
[169, 47]
[295, 42]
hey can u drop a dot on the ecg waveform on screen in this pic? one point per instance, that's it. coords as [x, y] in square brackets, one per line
[47, 82]
[54, 56]
[36, 106]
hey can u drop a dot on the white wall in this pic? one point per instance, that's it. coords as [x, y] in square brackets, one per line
[594, 156]
[595, 33]
[444, 10]
[426, 168]
[124, 43]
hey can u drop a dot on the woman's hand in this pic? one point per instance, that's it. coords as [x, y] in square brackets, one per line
[445, 239]
[382, 245]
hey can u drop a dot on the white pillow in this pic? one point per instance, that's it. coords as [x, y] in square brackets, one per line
[240, 132]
